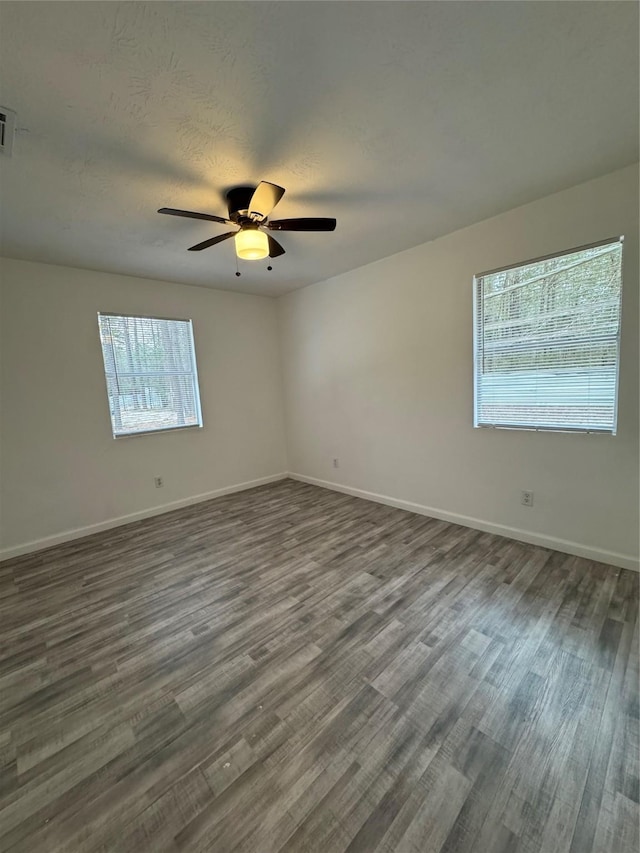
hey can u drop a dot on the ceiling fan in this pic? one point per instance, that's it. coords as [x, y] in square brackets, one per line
[249, 209]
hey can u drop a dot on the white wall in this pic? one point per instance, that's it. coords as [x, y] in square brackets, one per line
[60, 467]
[377, 370]
[377, 367]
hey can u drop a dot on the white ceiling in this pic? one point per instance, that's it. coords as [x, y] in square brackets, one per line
[404, 120]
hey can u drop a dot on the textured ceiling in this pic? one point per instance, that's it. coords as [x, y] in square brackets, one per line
[403, 120]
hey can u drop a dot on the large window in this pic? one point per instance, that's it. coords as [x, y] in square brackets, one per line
[546, 342]
[152, 381]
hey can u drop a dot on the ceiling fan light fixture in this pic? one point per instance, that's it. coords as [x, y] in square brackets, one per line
[250, 209]
[251, 244]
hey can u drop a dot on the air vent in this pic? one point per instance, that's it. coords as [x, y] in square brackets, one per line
[7, 130]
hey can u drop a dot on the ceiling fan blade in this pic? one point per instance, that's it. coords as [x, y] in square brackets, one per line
[264, 200]
[212, 241]
[310, 224]
[191, 215]
[275, 249]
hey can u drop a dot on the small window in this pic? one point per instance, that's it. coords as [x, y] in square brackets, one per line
[152, 380]
[547, 340]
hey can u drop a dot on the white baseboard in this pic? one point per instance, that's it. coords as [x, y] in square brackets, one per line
[623, 561]
[79, 532]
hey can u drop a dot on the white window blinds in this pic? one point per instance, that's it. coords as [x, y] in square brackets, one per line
[546, 342]
[152, 380]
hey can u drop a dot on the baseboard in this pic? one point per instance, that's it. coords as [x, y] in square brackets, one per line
[79, 532]
[613, 558]
[623, 561]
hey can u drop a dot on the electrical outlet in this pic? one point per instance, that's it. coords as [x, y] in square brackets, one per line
[159, 482]
[336, 462]
[526, 498]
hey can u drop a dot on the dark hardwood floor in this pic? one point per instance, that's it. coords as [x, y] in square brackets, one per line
[291, 669]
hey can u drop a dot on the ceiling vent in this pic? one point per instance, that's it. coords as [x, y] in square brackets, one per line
[7, 130]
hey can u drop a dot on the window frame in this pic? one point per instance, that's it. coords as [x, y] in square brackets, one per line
[477, 327]
[194, 364]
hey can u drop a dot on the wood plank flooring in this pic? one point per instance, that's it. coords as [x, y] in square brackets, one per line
[290, 669]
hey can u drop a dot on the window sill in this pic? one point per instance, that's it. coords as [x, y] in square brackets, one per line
[564, 430]
[156, 431]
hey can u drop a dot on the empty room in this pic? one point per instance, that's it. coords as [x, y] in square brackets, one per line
[319, 427]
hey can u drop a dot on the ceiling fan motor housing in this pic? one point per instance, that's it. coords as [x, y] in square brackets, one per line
[238, 200]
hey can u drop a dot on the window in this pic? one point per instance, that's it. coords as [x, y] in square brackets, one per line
[546, 342]
[150, 366]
